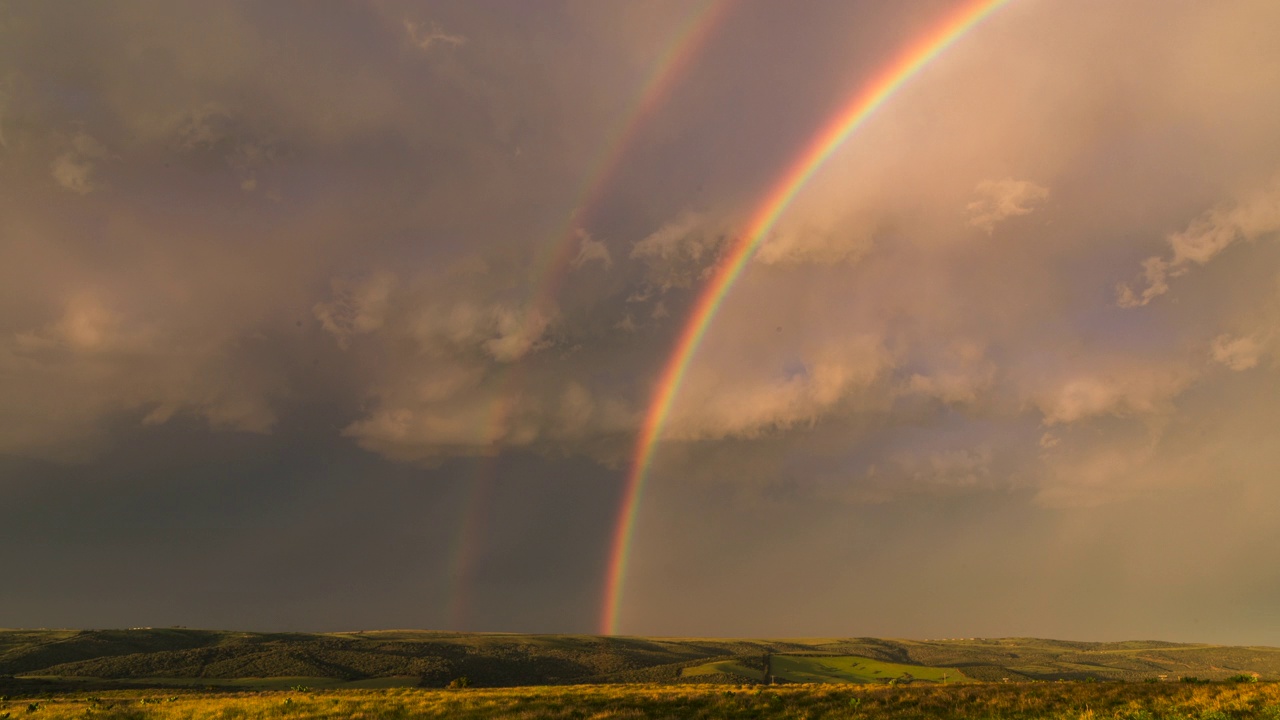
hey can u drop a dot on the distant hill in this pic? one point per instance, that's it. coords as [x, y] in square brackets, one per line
[179, 656]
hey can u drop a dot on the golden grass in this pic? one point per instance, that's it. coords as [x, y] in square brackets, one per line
[1076, 701]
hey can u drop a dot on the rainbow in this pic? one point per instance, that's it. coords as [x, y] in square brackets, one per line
[550, 269]
[468, 540]
[553, 263]
[849, 118]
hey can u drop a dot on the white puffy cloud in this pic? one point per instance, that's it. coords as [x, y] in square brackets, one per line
[590, 250]
[73, 168]
[357, 307]
[428, 35]
[679, 253]
[438, 323]
[431, 410]
[819, 236]
[504, 332]
[86, 326]
[516, 332]
[721, 403]
[1237, 353]
[1249, 218]
[998, 200]
[72, 173]
[1135, 390]
[94, 362]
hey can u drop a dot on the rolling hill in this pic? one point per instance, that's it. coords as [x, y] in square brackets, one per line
[205, 658]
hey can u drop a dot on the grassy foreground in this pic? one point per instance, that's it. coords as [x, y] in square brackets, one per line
[1016, 701]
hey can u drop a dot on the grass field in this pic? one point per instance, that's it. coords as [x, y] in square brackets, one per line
[826, 669]
[1028, 701]
[725, 667]
[854, 669]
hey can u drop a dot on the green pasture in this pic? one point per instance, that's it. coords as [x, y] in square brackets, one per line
[854, 669]
[727, 667]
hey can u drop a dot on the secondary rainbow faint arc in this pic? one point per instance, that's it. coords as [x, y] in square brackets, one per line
[552, 266]
[554, 262]
[848, 119]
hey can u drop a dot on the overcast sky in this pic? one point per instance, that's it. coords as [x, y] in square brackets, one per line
[337, 316]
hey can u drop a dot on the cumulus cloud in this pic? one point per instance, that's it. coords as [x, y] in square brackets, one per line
[999, 200]
[517, 332]
[357, 307]
[424, 435]
[678, 254]
[94, 362]
[627, 324]
[818, 237]
[437, 322]
[746, 405]
[590, 250]
[73, 168]
[72, 173]
[1133, 391]
[454, 349]
[1249, 218]
[1237, 353]
[86, 326]
[428, 35]
[429, 411]
[504, 332]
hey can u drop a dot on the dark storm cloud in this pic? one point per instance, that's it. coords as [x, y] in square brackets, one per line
[293, 532]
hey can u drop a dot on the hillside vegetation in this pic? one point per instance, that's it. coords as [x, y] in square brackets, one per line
[204, 658]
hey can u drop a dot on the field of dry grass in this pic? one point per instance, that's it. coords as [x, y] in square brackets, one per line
[1089, 701]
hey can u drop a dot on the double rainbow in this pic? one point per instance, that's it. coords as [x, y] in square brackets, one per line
[849, 118]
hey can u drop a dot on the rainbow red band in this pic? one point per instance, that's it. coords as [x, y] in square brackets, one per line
[850, 117]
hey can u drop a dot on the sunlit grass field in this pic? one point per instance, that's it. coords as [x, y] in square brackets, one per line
[828, 669]
[1091, 701]
[823, 669]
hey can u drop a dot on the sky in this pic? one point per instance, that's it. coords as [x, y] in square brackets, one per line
[341, 316]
